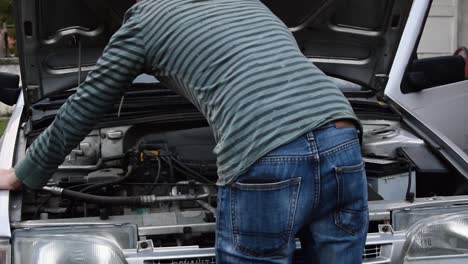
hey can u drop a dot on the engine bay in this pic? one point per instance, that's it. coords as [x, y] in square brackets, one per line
[163, 179]
[176, 167]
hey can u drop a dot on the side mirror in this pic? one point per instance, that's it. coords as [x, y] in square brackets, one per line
[431, 72]
[9, 88]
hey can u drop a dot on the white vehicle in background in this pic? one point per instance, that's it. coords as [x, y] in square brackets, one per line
[139, 188]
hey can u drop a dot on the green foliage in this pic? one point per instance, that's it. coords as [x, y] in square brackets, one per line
[3, 124]
[6, 11]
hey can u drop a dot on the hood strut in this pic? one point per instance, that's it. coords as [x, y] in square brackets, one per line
[77, 40]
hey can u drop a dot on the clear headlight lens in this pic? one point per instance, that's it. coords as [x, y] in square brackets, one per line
[96, 244]
[5, 252]
[438, 236]
[55, 249]
[405, 219]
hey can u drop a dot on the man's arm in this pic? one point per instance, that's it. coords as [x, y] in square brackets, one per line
[123, 59]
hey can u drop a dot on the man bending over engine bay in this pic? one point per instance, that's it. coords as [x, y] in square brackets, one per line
[288, 154]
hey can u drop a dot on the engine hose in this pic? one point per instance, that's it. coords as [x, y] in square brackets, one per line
[97, 199]
[130, 201]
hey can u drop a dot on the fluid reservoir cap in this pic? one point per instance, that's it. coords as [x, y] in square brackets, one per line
[115, 134]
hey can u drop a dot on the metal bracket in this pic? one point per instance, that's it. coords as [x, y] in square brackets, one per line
[33, 92]
[380, 82]
[385, 229]
[145, 245]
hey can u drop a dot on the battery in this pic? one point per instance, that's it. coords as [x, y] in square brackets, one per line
[389, 178]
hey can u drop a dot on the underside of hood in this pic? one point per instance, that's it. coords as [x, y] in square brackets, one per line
[354, 40]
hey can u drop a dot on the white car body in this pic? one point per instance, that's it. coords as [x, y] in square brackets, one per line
[403, 231]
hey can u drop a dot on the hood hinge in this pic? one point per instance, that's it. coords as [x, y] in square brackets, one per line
[380, 82]
[33, 93]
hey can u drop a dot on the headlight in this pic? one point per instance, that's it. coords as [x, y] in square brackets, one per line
[96, 244]
[76, 248]
[5, 252]
[405, 219]
[437, 236]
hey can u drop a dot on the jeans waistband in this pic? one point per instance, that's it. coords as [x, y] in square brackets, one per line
[310, 134]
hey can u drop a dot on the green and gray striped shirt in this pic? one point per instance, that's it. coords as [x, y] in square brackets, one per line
[233, 59]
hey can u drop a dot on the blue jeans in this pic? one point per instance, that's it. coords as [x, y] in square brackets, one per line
[313, 188]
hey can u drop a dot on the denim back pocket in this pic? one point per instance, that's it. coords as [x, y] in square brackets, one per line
[352, 212]
[263, 216]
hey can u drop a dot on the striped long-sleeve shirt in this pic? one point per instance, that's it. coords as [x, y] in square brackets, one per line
[233, 59]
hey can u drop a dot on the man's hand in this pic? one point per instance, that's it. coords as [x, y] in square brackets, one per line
[8, 180]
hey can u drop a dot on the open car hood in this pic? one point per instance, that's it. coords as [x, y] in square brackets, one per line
[354, 40]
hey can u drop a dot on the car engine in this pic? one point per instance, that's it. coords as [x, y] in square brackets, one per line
[158, 176]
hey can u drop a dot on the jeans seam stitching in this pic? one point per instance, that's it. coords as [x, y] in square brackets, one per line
[340, 147]
[317, 183]
[350, 169]
[268, 160]
[339, 205]
[293, 216]
[266, 186]
[338, 192]
[310, 140]
[338, 209]
[219, 212]
[342, 226]
[233, 215]
[317, 177]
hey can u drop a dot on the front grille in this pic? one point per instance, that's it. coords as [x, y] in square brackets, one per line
[202, 260]
[372, 251]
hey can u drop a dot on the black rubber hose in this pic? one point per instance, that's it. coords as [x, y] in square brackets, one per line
[156, 178]
[134, 201]
[96, 199]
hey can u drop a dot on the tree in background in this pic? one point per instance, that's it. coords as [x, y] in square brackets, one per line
[6, 12]
[6, 16]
